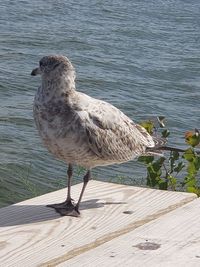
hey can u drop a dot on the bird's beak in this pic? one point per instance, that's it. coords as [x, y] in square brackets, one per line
[36, 71]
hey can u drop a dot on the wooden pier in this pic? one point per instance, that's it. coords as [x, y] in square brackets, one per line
[119, 226]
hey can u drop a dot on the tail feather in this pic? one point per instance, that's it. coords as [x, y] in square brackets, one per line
[159, 141]
[160, 147]
[158, 150]
[169, 148]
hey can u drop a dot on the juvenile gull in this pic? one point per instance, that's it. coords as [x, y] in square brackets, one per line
[82, 130]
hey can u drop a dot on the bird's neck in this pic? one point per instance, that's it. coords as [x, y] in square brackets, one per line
[63, 85]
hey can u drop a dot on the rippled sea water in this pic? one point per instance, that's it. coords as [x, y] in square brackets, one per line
[142, 56]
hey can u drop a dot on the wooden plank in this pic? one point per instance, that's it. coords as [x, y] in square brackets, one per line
[34, 235]
[171, 240]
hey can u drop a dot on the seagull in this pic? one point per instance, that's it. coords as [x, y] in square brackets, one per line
[81, 130]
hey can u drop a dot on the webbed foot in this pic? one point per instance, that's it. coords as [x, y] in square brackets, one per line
[66, 208]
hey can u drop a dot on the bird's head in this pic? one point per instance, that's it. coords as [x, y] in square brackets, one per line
[53, 66]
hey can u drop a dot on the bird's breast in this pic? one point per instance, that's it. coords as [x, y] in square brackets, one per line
[61, 132]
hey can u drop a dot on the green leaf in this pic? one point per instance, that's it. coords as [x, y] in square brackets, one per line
[151, 172]
[151, 181]
[191, 169]
[163, 185]
[172, 179]
[175, 155]
[197, 163]
[165, 133]
[192, 189]
[189, 154]
[192, 138]
[156, 166]
[146, 159]
[153, 176]
[179, 167]
[190, 182]
[148, 125]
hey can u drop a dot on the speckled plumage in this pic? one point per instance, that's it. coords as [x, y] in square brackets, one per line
[79, 129]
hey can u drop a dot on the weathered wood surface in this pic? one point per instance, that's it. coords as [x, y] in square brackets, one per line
[171, 240]
[34, 235]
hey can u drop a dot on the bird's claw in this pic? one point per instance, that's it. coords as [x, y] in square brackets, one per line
[66, 208]
[68, 212]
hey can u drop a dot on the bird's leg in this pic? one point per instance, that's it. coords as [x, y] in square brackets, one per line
[66, 207]
[69, 173]
[86, 178]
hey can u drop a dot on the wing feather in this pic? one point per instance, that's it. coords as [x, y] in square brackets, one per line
[111, 135]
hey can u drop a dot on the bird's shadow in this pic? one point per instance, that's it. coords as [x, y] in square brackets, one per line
[27, 214]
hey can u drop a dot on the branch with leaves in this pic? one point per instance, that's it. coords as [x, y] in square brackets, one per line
[178, 169]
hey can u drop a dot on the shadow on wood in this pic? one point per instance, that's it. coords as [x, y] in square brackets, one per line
[26, 214]
[34, 235]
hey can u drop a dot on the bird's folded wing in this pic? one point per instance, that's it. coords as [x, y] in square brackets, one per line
[112, 135]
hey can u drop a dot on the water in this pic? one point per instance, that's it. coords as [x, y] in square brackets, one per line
[142, 56]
